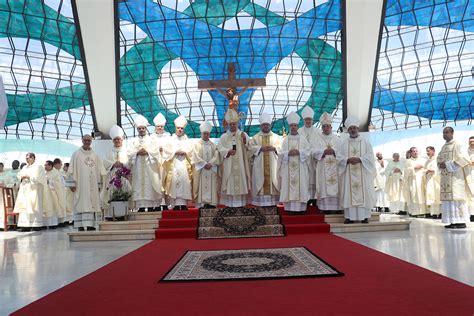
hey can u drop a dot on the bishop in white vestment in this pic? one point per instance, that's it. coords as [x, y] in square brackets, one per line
[116, 158]
[432, 182]
[177, 168]
[263, 148]
[415, 188]
[294, 159]
[357, 175]
[205, 161]
[311, 134]
[234, 166]
[144, 159]
[161, 138]
[30, 196]
[86, 169]
[394, 184]
[456, 185]
[327, 157]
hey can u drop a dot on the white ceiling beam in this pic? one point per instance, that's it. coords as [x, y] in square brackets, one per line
[97, 25]
[363, 30]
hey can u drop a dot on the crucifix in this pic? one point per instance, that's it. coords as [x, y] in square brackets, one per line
[230, 85]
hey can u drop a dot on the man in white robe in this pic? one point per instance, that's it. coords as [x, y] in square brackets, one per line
[394, 184]
[68, 182]
[415, 189]
[205, 161]
[57, 165]
[177, 168]
[115, 159]
[470, 152]
[161, 138]
[29, 203]
[432, 181]
[54, 208]
[311, 134]
[293, 162]
[263, 148]
[357, 175]
[6, 182]
[327, 157]
[456, 185]
[144, 159]
[234, 167]
[13, 174]
[381, 201]
[86, 170]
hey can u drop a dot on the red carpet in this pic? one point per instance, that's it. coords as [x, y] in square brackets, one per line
[184, 224]
[374, 284]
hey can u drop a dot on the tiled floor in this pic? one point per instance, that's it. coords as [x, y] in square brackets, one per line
[37, 263]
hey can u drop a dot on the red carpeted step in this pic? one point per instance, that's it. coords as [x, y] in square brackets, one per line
[170, 233]
[302, 219]
[307, 228]
[178, 222]
[191, 213]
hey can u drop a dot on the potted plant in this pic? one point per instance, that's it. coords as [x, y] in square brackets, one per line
[120, 192]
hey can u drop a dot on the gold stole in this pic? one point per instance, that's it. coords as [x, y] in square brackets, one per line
[267, 181]
[355, 174]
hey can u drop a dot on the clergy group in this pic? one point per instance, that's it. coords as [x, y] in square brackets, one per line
[307, 167]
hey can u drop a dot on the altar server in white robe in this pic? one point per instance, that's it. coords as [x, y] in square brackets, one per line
[415, 188]
[54, 207]
[394, 184]
[235, 168]
[326, 154]
[30, 195]
[357, 175]
[457, 185]
[470, 153]
[263, 148]
[144, 159]
[86, 170]
[116, 158]
[294, 159]
[432, 181]
[57, 165]
[177, 168]
[161, 138]
[311, 134]
[205, 161]
[68, 181]
[381, 200]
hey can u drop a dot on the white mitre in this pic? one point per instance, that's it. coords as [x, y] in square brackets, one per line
[307, 112]
[265, 118]
[231, 116]
[140, 120]
[293, 118]
[351, 121]
[325, 119]
[159, 120]
[180, 121]
[116, 131]
[205, 127]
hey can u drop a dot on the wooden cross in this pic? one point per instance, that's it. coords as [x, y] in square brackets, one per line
[231, 82]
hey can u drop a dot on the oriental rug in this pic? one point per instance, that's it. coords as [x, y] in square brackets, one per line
[271, 263]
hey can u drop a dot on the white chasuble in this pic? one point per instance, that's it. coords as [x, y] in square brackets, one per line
[56, 205]
[235, 168]
[86, 169]
[357, 179]
[205, 180]
[327, 175]
[311, 135]
[116, 154]
[30, 195]
[394, 185]
[178, 170]
[294, 170]
[146, 173]
[264, 167]
[415, 189]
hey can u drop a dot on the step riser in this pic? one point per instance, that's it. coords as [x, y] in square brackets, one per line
[244, 220]
[369, 228]
[215, 212]
[218, 232]
[143, 216]
[131, 226]
[149, 236]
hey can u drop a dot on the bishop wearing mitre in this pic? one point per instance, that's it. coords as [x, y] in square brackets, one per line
[327, 155]
[235, 169]
[263, 148]
[144, 159]
[205, 160]
[293, 168]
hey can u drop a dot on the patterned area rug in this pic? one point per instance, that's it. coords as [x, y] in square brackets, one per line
[249, 264]
[235, 222]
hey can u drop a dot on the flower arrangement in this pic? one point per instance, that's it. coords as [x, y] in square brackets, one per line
[119, 192]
